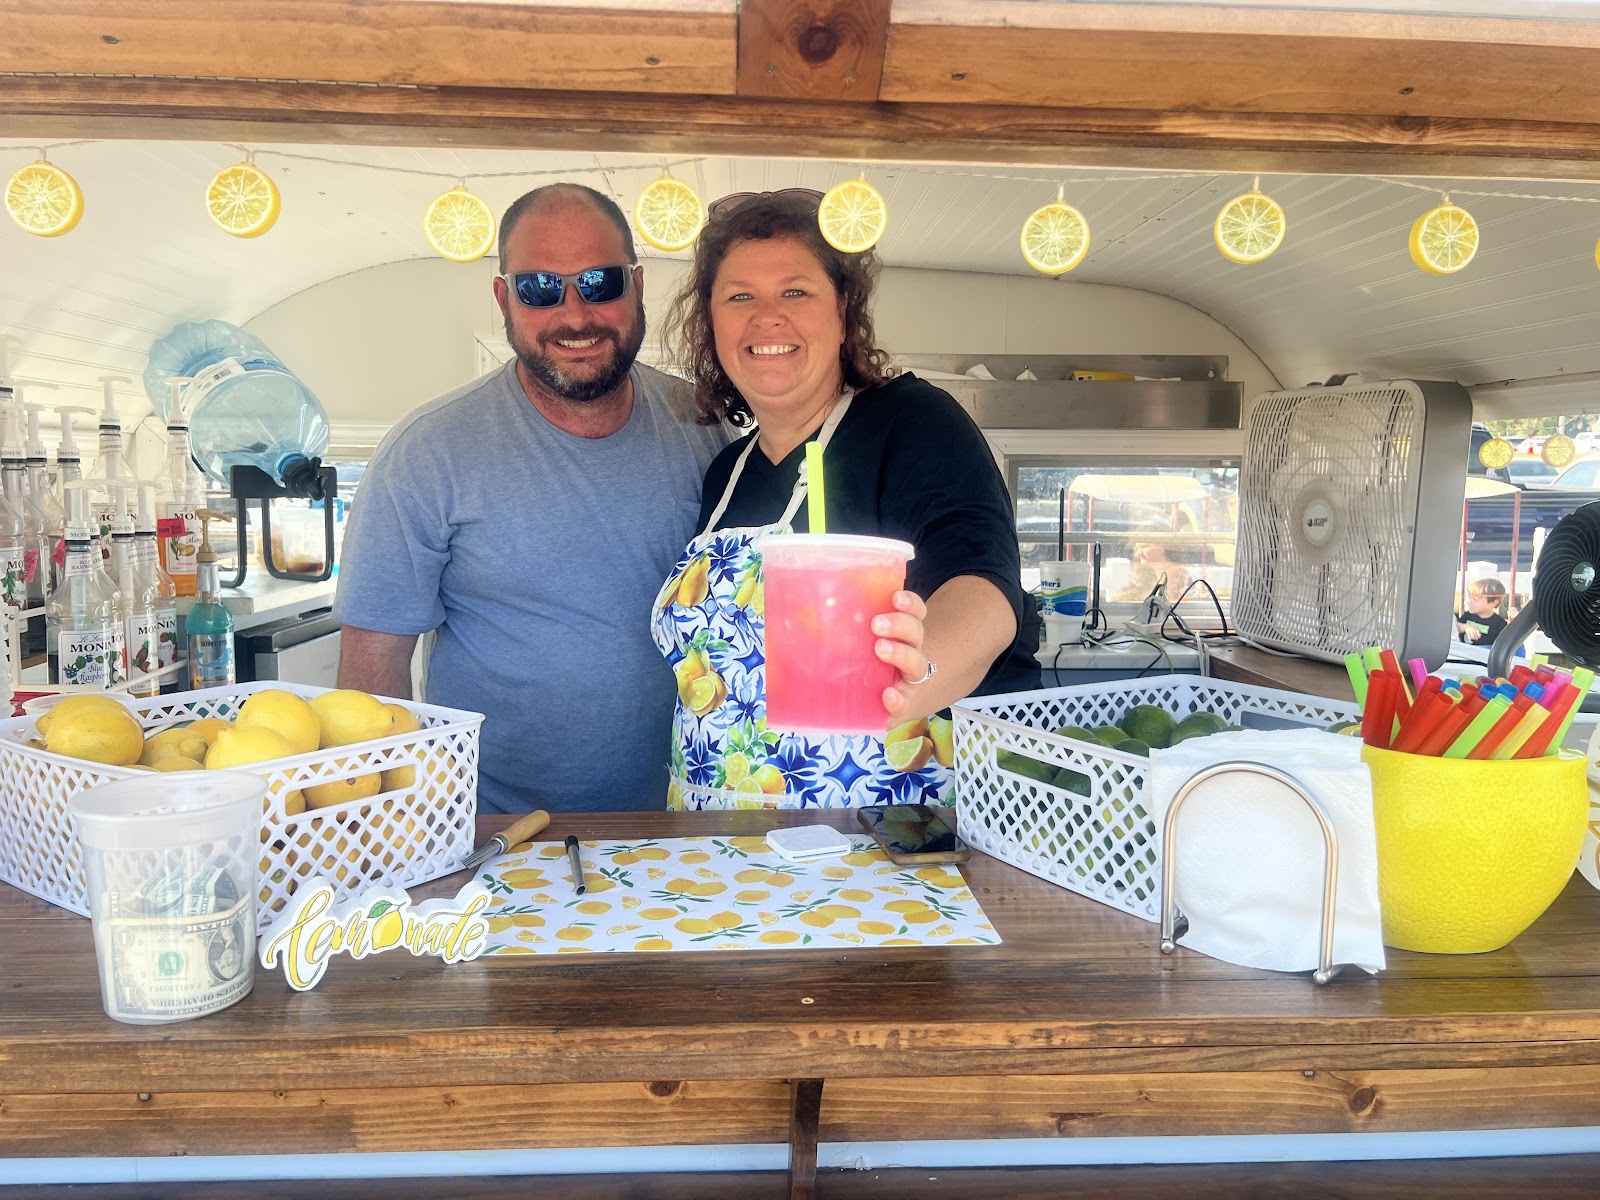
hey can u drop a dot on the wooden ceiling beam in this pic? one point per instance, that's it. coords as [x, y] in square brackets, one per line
[812, 49]
[1242, 59]
[54, 109]
[650, 46]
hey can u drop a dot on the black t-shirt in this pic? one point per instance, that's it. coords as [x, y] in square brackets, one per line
[905, 462]
[1492, 625]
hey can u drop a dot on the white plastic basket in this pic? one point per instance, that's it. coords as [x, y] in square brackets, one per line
[1104, 845]
[402, 836]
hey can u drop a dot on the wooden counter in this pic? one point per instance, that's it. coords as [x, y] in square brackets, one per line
[1075, 1026]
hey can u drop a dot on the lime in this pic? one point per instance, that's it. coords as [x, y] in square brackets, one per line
[1200, 724]
[1149, 724]
[912, 754]
[1133, 746]
[1017, 764]
[1072, 781]
[1109, 735]
[1077, 733]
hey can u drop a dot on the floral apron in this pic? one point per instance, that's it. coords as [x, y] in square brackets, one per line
[709, 622]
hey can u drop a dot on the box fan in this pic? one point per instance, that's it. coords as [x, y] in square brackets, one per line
[1350, 501]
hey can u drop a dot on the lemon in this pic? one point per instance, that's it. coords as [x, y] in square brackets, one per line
[386, 930]
[99, 734]
[405, 721]
[1443, 239]
[44, 200]
[243, 201]
[852, 216]
[338, 791]
[668, 214]
[285, 714]
[1249, 227]
[770, 779]
[706, 693]
[1559, 450]
[910, 755]
[1055, 238]
[243, 747]
[459, 226]
[73, 704]
[1496, 453]
[1471, 853]
[907, 731]
[173, 743]
[178, 762]
[941, 731]
[347, 716]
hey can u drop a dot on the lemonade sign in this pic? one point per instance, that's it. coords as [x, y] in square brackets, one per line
[314, 929]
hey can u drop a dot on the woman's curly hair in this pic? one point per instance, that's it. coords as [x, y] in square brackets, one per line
[689, 336]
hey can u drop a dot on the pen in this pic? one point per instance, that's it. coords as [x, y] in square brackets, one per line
[577, 867]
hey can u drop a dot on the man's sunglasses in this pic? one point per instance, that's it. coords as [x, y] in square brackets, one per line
[788, 197]
[546, 289]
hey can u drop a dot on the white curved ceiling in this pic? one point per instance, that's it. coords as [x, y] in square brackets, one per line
[1341, 295]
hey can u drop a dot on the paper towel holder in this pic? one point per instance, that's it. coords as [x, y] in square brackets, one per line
[1330, 858]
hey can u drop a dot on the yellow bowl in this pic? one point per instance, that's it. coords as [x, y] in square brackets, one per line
[1471, 853]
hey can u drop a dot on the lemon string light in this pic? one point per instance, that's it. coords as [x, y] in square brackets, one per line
[852, 216]
[1443, 239]
[1250, 227]
[242, 200]
[668, 214]
[459, 225]
[43, 199]
[1055, 238]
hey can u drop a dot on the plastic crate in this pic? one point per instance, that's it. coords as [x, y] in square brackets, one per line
[402, 837]
[1104, 845]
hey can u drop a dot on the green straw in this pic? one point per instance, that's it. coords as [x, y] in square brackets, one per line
[816, 497]
[1358, 677]
[1481, 724]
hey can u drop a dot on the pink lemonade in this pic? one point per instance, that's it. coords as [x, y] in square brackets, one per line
[822, 591]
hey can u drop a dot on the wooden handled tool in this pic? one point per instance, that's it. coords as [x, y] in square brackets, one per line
[526, 827]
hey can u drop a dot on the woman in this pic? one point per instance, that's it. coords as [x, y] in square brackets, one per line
[775, 329]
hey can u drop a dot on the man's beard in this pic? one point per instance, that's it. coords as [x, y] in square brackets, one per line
[580, 389]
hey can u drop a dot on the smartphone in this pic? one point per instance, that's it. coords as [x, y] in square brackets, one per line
[914, 833]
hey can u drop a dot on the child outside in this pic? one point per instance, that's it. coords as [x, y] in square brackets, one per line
[1482, 622]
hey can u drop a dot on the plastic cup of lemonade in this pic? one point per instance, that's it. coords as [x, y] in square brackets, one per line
[822, 591]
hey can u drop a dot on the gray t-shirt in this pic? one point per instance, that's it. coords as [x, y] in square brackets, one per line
[536, 556]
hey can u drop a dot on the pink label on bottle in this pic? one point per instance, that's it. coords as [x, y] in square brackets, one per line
[30, 565]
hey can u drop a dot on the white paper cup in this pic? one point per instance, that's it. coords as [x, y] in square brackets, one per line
[1064, 589]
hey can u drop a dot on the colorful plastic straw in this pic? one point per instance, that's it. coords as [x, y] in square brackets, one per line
[816, 497]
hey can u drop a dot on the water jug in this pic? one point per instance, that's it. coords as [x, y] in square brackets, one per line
[245, 407]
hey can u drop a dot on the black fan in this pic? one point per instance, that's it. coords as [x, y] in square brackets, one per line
[1566, 595]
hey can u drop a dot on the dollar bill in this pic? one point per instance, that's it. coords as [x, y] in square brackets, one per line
[174, 966]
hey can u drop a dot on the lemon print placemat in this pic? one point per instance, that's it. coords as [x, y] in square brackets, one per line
[722, 893]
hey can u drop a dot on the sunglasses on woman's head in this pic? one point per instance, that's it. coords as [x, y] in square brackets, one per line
[787, 196]
[546, 289]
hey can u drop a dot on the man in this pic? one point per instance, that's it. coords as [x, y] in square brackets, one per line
[529, 519]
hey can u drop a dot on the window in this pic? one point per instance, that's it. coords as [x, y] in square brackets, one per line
[1177, 517]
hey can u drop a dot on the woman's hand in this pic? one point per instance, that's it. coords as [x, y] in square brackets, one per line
[900, 636]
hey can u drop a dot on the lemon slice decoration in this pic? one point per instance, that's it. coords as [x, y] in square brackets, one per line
[1055, 238]
[44, 200]
[1496, 453]
[243, 200]
[1444, 239]
[1559, 450]
[668, 214]
[852, 216]
[1249, 227]
[459, 226]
